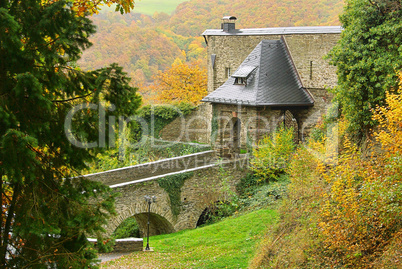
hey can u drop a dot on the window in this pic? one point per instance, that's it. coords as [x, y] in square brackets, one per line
[227, 72]
[240, 81]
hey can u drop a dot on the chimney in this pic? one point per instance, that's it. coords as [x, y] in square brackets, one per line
[228, 23]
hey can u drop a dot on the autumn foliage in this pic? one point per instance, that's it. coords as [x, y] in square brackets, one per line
[83, 7]
[182, 82]
[272, 154]
[344, 213]
[362, 211]
[145, 45]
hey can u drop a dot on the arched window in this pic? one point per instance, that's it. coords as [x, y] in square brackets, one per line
[289, 121]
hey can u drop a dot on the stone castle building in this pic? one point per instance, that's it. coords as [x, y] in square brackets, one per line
[261, 78]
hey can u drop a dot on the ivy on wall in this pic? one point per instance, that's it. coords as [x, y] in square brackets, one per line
[172, 185]
[157, 117]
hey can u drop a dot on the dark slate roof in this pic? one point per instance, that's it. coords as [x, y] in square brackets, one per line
[277, 31]
[273, 81]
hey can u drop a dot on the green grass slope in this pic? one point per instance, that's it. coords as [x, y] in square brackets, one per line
[230, 243]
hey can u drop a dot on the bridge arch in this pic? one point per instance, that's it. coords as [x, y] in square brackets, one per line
[160, 219]
[208, 211]
[157, 224]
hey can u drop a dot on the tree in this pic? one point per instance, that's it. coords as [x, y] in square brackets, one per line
[181, 83]
[46, 209]
[368, 57]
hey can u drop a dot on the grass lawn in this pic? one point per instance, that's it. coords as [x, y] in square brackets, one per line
[150, 6]
[230, 243]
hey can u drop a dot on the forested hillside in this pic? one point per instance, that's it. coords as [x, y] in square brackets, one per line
[193, 17]
[144, 44]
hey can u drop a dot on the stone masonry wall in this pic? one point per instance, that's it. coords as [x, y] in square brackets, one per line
[191, 128]
[255, 123]
[308, 118]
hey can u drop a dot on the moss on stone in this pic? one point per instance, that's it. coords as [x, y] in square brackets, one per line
[172, 185]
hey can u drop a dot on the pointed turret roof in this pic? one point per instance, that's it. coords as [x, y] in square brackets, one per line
[267, 77]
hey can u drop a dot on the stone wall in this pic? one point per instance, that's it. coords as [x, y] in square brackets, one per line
[257, 122]
[310, 117]
[193, 127]
[128, 245]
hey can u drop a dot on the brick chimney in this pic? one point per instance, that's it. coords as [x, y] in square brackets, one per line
[228, 23]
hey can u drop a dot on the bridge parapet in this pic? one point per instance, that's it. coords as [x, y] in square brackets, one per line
[153, 169]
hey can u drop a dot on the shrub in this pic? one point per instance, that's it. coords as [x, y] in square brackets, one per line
[263, 195]
[362, 212]
[247, 185]
[272, 154]
[218, 211]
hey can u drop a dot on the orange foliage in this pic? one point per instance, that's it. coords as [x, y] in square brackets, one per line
[193, 17]
[181, 83]
[390, 124]
[90, 7]
[6, 197]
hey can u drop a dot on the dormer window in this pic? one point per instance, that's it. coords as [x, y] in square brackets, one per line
[242, 74]
[240, 81]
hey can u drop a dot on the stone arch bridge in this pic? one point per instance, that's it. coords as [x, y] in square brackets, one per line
[211, 180]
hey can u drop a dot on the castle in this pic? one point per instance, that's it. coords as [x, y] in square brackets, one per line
[260, 78]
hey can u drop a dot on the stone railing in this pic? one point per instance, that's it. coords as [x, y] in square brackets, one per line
[125, 244]
[152, 169]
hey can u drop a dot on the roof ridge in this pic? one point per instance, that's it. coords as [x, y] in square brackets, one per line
[278, 30]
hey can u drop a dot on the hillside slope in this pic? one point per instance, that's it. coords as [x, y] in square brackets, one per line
[193, 17]
[144, 44]
[230, 243]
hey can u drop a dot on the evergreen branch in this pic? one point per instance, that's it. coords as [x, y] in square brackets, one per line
[71, 99]
[376, 5]
[57, 245]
